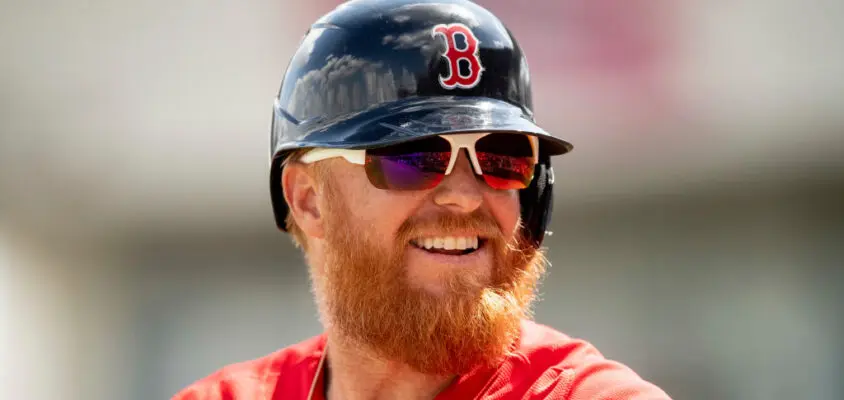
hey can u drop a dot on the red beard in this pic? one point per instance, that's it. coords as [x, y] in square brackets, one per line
[369, 301]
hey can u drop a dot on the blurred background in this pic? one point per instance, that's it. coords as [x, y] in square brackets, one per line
[698, 226]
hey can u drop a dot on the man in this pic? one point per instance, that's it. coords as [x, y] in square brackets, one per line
[407, 166]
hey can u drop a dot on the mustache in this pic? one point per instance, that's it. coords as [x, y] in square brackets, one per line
[479, 222]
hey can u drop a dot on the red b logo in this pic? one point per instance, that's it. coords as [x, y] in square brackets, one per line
[455, 79]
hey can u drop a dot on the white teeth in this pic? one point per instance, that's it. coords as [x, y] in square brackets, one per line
[448, 242]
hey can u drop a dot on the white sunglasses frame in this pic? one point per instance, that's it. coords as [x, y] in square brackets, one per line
[458, 141]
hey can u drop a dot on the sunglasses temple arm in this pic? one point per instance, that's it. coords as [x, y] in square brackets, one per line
[352, 156]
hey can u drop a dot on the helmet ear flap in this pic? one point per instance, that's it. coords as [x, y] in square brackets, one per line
[537, 202]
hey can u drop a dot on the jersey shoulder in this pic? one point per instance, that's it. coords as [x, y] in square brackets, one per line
[541, 345]
[288, 370]
[552, 365]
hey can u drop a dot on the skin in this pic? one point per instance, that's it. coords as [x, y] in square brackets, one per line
[356, 373]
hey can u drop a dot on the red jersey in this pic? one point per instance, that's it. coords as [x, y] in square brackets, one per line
[547, 365]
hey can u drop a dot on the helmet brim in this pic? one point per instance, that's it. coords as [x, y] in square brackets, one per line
[417, 118]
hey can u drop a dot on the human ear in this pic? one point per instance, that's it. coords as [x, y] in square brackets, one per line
[302, 194]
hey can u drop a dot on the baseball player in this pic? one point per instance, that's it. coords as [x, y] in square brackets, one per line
[407, 166]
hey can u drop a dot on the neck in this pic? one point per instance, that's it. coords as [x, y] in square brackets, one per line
[358, 374]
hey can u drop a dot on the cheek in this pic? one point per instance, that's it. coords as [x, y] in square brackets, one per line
[375, 213]
[388, 211]
[505, 208]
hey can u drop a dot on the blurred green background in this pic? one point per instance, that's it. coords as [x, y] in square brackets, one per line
[698, 226]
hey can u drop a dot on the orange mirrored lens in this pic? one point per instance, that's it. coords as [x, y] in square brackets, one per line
[506, 160]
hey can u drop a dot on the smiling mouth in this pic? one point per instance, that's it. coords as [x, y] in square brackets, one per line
[449, 245]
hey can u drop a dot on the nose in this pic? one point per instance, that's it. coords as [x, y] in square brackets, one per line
[460, 191]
